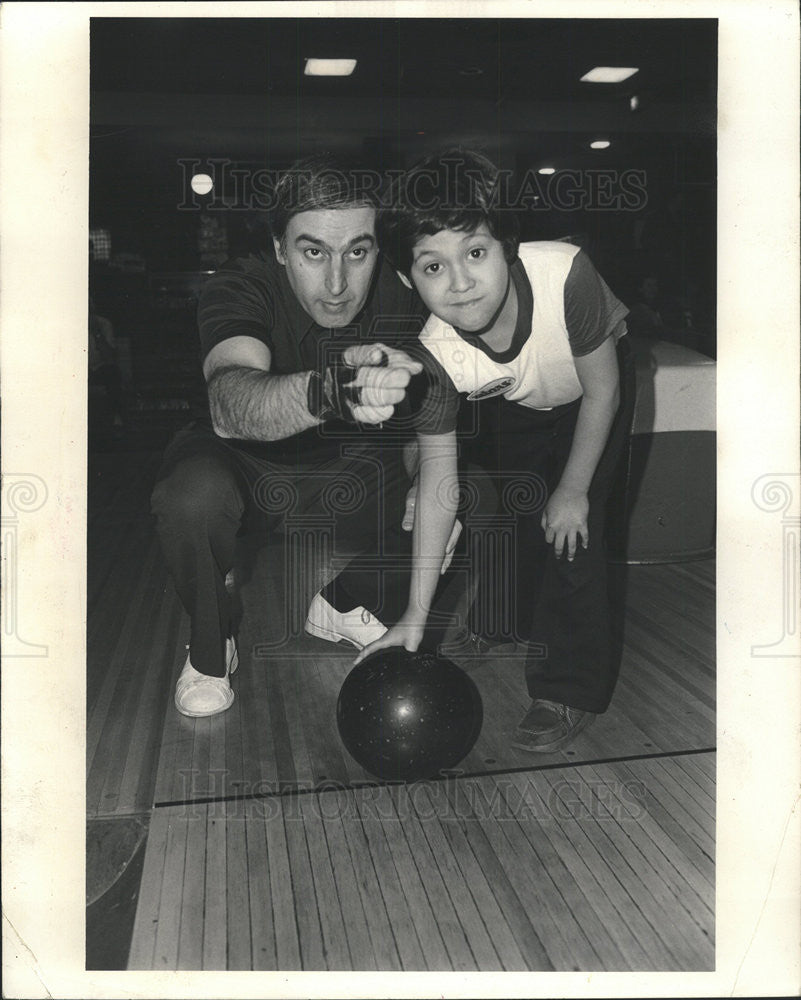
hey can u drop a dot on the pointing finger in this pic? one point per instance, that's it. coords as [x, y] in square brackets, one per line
[380, 378]
[365, 354]
[400, 359]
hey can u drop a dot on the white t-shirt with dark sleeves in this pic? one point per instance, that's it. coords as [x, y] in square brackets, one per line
[565, 310]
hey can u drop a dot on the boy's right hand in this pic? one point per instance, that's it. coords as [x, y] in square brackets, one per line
[408, 514]
[408, 524]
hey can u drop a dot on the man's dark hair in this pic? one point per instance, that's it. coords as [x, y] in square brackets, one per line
[316, 182]
[457, 189]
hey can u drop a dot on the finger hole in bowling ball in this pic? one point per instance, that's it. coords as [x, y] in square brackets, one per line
[406, 716]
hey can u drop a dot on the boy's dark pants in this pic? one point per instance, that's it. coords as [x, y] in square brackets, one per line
[561, 607]
[209, 494]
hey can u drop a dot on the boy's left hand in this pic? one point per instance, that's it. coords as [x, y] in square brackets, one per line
[564, 520]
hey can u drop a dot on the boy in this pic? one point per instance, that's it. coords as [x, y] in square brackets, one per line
[528, 335]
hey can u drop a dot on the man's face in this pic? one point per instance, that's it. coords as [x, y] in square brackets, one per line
[461, 277]
[330, 255]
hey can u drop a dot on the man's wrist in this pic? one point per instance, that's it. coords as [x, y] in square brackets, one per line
[330, 391]
[316, 400]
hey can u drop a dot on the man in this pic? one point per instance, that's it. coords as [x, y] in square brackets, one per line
[297, 364]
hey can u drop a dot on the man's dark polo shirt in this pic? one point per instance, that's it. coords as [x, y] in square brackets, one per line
[251, 297]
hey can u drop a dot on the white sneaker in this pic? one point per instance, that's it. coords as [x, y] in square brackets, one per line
[358, 627]
[198, 695]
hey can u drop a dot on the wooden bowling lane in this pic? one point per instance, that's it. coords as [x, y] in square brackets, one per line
[607, 864]
[588, 868]
[135, 638]
[281, 730]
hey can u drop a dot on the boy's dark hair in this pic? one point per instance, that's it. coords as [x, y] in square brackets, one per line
[316, 182]
[457, 189]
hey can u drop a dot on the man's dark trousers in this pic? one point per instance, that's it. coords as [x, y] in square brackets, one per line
[210, 492]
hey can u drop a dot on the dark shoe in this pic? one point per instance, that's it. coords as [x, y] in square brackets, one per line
[547, 726]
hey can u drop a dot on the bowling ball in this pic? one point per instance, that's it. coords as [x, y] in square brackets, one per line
[405, 716]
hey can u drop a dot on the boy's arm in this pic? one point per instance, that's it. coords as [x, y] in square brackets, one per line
[565, 515]
[410, 460]
[435, 513]
[438, 493]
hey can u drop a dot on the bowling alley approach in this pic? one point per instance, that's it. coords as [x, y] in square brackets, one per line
[519, 773]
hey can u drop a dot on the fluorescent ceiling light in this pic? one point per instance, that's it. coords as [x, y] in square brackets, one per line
[600, 144]
[329, 67]
[547, 170]
[609, 74]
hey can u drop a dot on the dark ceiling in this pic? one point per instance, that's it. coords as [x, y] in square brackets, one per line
[234, 87]
[167, 92]
[457, 58]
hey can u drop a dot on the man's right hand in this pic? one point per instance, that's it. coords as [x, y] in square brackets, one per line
[382, 375]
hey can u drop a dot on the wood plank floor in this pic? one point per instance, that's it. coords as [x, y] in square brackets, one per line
[593, 867]
[281, 731]
[269, 847]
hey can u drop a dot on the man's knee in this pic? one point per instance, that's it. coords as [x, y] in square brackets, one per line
[197, 490]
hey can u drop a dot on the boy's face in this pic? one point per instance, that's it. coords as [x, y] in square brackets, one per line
[461, 277]
[330, 255]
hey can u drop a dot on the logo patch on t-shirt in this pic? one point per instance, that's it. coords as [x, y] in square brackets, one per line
[493, 388]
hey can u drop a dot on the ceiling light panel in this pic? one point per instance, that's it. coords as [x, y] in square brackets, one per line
[329, 67]
[609, 74]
